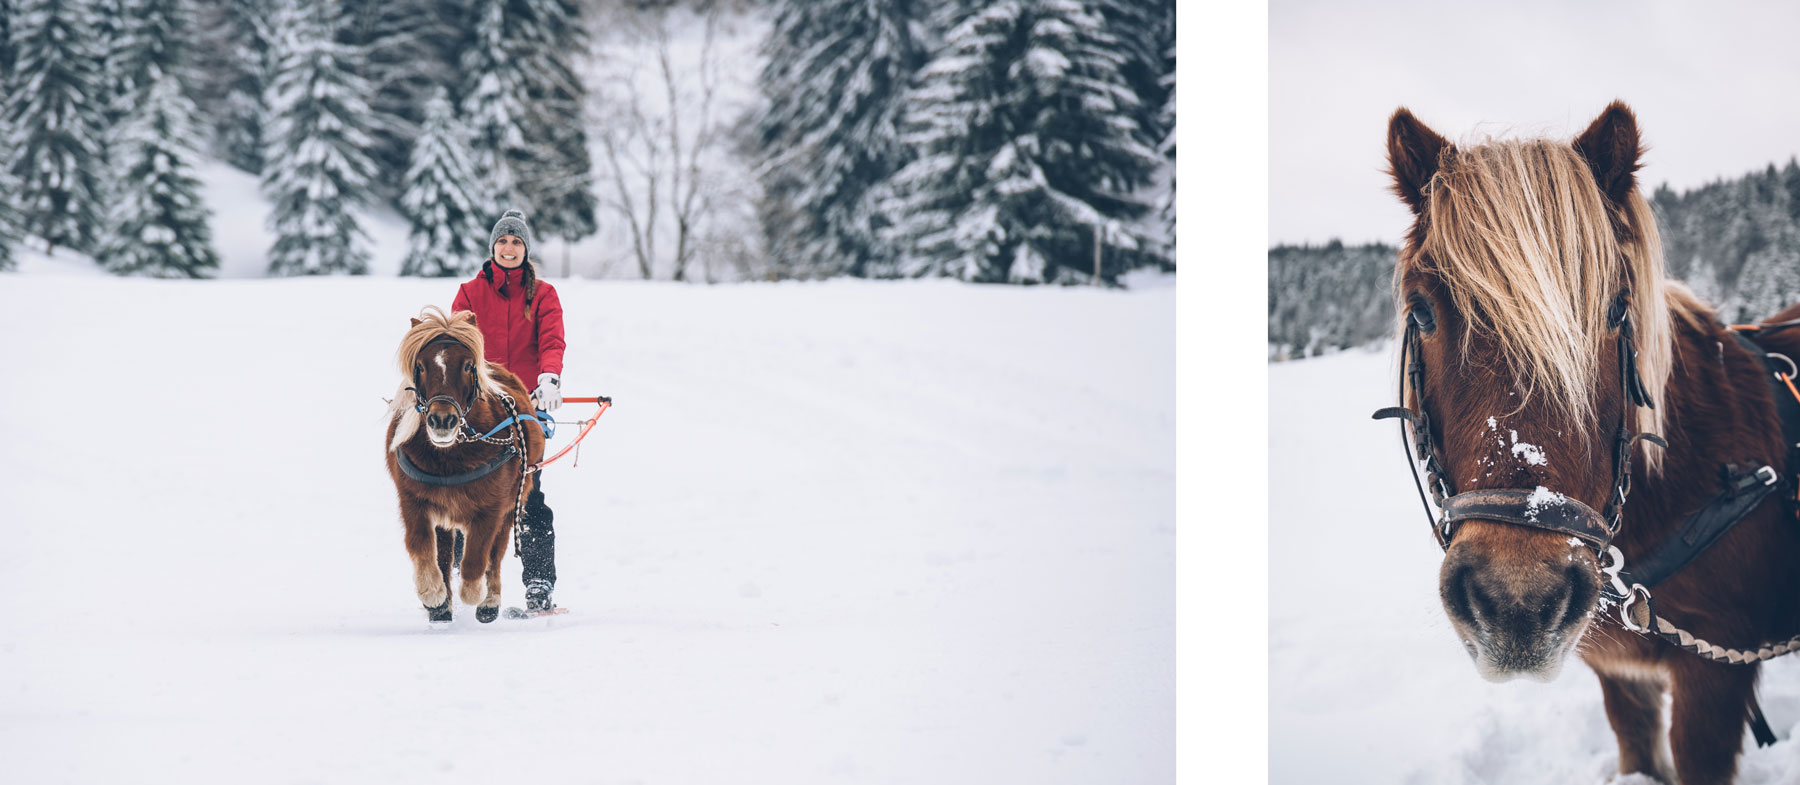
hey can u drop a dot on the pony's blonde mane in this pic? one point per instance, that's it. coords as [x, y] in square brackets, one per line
[1526, 247]
[432, 324]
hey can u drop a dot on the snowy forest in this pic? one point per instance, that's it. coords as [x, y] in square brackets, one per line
[1023, 141]
[1736, 243]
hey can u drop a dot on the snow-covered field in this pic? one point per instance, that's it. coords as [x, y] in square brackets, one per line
[842, 532]
[1367, 683]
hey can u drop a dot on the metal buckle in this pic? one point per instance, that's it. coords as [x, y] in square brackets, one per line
[1612, 573]
[1631, 596]
[1768, 475]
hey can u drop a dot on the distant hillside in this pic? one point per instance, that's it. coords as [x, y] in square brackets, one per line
[1736, 242]
[1327, 297]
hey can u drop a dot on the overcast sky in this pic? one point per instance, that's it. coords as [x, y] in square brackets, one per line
[1716, 89]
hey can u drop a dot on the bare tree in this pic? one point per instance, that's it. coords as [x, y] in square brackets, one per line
[668, 162]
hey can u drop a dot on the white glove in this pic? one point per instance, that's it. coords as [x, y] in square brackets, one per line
[548, 393]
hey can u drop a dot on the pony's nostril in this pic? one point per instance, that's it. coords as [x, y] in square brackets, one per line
[1555, 607]
[1456, 594]
[1584, 590]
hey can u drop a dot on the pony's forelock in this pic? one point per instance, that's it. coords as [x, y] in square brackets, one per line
[1526, 248]
[432, 324]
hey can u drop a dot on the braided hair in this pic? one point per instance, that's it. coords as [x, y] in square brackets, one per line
[528, 278]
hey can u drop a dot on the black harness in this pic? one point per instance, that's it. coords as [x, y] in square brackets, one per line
[410, 469]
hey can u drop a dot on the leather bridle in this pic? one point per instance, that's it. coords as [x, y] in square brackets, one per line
[462, 409]
[1537, 508]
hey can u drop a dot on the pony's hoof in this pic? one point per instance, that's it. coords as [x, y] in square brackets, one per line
[440, 614]
[485, 614]
[473, 592]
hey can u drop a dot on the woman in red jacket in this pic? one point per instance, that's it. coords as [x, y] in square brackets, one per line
[521, 322]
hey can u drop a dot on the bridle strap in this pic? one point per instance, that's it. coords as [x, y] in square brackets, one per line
[1558, 513]
[1412, 365]
[1538, 509]
[462, 411]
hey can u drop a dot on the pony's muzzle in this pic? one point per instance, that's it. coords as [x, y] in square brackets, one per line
[1519, 600]
[441, 422]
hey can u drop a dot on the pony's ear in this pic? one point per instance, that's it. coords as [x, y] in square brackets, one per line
[415, 322]
[1413, 154]
[469, 315]
[1611, 148]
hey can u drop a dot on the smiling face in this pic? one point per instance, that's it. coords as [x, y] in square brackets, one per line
[1518, 253]
[509, 251]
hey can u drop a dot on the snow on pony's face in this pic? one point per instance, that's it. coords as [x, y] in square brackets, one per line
[1509, 310]
[509, 251]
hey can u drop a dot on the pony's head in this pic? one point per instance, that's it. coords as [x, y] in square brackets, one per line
[445, 374]
[1525, 260]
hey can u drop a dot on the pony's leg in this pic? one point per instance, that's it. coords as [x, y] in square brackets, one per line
[1635, 710]
[475, 561]
[421, 545]
[496, 556]
[1707, 725]
[446, 540]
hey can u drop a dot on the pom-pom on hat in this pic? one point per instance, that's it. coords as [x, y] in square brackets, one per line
[511, 222]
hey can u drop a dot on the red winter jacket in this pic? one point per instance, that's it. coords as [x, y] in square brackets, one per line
[525, 347]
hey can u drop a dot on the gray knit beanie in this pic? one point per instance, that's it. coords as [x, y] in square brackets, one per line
[511, 222]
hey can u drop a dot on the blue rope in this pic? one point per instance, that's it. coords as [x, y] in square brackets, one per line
[543, 420]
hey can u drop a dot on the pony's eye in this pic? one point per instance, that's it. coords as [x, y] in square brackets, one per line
[1419, 311]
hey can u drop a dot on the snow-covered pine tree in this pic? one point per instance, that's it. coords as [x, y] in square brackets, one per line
[6, 14]
[495, 98]
[1027, 144]
[1145, 32]
[232, 63]
[560, 182]
[9, 221]
[54, 139]
[317, 173]
[835, 74]
[446, 204]
[152, 43]
[158, 221]
[1771, 279]
[1167, 211]
[109, 26]
[408, 51]
[525, 106]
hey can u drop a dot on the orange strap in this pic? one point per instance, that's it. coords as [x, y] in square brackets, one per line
[605, 403]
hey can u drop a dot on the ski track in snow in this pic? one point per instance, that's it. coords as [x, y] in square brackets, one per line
[1367, 683]
[839, 532]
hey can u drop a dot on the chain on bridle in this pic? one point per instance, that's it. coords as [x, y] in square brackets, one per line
[1520, 507]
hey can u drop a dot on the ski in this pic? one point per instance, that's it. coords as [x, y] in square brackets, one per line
[520, 613]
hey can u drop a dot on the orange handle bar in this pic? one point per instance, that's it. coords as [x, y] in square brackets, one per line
[605, 403]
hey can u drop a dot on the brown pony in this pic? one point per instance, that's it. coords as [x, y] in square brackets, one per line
[1527, 263]
[449, 481]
